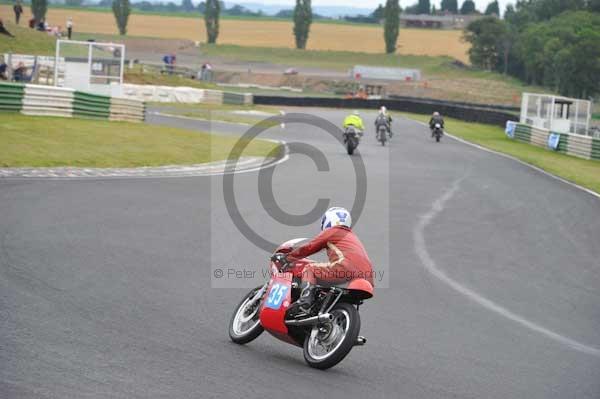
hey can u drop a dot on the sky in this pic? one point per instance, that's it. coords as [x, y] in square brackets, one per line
[481, 4]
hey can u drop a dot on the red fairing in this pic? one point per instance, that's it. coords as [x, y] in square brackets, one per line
[273, 319]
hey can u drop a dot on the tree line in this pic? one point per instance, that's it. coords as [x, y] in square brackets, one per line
[555, 44]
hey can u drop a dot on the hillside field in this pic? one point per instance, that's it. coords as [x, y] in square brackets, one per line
[259, 33]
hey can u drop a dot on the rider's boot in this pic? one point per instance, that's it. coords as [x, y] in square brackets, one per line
[307, 297]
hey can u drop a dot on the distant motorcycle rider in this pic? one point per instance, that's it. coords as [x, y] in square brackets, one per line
[354, 120]
[347, 256]
[435, 118]
[384, 118]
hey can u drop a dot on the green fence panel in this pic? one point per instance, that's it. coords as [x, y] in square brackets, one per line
[523, 133]
[595, 153]
[11, 96]
[91, 105]
[233, 98]
[563, 143]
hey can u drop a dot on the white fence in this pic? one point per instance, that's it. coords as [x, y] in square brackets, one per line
[186, 95]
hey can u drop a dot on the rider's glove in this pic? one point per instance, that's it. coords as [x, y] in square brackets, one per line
[281, 259]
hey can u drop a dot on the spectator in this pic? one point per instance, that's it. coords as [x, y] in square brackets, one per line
[3, 68]
[173, 60]
[207, 71]
[41, 26]
[3, 29]
[69, 27]
[18, 9]
[20, 74]
[169, 61]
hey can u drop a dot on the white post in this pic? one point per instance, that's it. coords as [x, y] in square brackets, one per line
[551, 112]
[90, 72]
[122, 64]
[574, 125]
[587, 119]
[524, 107]
[56, 62]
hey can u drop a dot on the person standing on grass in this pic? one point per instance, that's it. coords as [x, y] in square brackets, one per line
[3, 68]
[18, 9]
[69, 27]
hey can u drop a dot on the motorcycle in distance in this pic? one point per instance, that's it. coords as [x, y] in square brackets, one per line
[352, 136]
[383, 132]
[438, 132]
[327, 333]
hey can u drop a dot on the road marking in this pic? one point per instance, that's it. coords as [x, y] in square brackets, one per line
[430, 265]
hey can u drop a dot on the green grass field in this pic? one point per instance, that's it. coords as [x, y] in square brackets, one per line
[584, 172]
[343, 60]
[43, 141]
[26, 41]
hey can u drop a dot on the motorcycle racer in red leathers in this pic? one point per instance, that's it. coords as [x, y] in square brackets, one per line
[347, 256]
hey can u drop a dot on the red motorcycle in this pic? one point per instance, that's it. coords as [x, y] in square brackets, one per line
[327, 333]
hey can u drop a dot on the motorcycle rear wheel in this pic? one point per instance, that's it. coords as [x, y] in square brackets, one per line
[336, 338]
[238, 331]
[350, 146]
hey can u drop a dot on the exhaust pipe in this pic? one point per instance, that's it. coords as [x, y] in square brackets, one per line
[310, 321]
[360, 341]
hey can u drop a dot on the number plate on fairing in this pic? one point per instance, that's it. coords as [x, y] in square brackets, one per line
[276, 296]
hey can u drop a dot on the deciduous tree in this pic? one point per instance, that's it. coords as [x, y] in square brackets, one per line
[302, 21]
[121, 10]
[391, 28]
[212, 11]
[39, 9]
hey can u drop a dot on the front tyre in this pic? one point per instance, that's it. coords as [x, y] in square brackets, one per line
[244, 325]
[350, 146]
[329, 343]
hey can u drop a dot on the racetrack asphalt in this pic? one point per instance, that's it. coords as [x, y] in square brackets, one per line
[106, 287]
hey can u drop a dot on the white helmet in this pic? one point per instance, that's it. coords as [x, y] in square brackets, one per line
[382, 110]
[436, 113]
[336, 216]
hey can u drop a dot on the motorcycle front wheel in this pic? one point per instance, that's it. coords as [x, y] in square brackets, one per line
[329, 343]
[244, 325]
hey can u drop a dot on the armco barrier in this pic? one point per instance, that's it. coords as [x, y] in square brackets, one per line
[468, 114]
[58, 101]
[11, 97]
[572, 144]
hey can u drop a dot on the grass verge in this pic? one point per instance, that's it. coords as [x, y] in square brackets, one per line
[28, 141]
[136, 76]
[583, 172]
[223, 112]
[26, 41]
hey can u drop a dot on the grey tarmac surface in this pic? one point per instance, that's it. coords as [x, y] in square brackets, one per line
[105, 285]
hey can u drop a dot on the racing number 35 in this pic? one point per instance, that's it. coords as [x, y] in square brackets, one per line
[276, 295]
